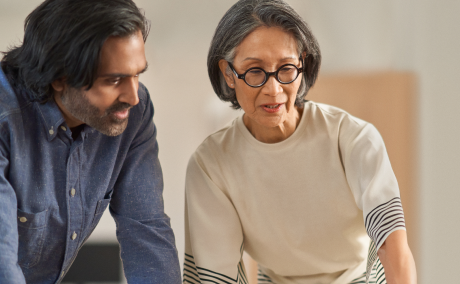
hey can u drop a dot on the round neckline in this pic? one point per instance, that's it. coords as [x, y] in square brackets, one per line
[274, 146]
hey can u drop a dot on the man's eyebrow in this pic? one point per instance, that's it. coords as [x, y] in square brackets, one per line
[123, 75]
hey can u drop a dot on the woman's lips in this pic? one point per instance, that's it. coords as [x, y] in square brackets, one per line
[272, 108]
[122, 114]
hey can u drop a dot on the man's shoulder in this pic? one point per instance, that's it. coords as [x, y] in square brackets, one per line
[8, 101]
[144, 95]
[141, 115]
[144, 107]
[11, 101]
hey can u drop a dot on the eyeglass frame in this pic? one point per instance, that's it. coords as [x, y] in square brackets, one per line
[267, 74]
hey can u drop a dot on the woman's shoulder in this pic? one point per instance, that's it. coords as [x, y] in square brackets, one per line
[339, 123]
[332, 112]
[218, 143]
[334, 117]
[350, 129]
[215, 154]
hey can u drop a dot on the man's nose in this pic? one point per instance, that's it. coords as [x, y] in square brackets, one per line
[129, 92]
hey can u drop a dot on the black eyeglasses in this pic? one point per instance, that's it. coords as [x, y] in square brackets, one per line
[255, 77]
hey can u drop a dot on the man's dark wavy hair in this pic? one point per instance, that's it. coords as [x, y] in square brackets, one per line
[63, 39]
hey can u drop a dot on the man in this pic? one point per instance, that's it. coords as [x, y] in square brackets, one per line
[76, 135]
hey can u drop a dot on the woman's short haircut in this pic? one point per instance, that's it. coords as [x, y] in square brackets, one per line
[243, 18]
[64, 38]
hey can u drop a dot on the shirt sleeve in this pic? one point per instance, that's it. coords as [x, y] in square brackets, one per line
[10, 271]
[372, 181]
[144, 232]
[213, 232]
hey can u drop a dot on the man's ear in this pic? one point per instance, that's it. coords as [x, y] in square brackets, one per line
[59, 85]
[223, 65]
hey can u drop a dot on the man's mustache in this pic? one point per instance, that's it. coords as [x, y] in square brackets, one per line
[117, 107]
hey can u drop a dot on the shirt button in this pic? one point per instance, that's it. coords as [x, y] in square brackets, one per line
[74, 236]
[72, 192]
[51, 131]
[63, 128]
[23, 219]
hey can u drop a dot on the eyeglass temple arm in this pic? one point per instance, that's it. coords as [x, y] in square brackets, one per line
[302, 61]
[234, 72]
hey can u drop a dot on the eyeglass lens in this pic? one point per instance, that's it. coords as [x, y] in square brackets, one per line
[257, 76]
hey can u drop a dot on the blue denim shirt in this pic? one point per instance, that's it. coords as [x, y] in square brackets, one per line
[53, 191]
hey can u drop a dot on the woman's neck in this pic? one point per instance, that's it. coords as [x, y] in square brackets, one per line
[275, 134]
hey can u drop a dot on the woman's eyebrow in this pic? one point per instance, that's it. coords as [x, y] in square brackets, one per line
[258, 59]
[252, 58]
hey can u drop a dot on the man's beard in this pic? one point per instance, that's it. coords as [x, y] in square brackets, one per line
[76, 102]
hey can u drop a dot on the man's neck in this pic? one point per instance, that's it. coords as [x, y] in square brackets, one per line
[76, 131]
[71, 121]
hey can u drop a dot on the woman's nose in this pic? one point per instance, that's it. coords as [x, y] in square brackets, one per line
[272, 87]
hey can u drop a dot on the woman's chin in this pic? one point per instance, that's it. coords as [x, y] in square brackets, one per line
[270, 122]
[264, 121]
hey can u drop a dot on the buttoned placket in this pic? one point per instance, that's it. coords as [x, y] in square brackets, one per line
[75, 213]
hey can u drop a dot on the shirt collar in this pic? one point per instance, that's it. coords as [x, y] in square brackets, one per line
[52, 118]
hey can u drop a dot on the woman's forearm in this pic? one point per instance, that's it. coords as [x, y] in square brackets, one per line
[397, 259]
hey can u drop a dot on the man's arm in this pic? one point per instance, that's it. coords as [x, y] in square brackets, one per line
[397, 259]
[143, 229]
[10, 272]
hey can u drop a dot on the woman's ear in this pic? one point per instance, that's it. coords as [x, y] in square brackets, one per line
[304, 54]
[223, 65]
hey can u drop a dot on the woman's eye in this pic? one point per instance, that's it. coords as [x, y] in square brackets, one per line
[255, 72]
[287, 69]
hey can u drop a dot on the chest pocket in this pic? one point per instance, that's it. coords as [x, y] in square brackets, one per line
[31, 230]
[100, 208]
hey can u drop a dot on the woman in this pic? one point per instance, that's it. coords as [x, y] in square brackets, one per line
[305, 188]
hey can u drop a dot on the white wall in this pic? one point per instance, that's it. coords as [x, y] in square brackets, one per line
[355, 35]
[438, 65]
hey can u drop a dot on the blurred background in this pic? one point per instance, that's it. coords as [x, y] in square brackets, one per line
[415, 43]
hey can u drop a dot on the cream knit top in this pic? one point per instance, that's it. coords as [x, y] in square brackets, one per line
[303, 208]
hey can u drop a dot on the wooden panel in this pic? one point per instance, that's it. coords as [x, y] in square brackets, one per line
[387, 100]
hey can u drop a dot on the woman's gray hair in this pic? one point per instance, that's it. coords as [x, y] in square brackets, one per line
[243, 18]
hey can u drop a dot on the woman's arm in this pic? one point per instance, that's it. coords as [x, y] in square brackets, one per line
[397, 259]
[213, 231]
[375, 188]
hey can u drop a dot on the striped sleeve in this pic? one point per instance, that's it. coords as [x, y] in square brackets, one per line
[213, 233]
[374, 186]
[384, 219]
[372, 181]
[197, 275]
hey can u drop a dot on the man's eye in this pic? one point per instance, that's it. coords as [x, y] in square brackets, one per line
[114, 81]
